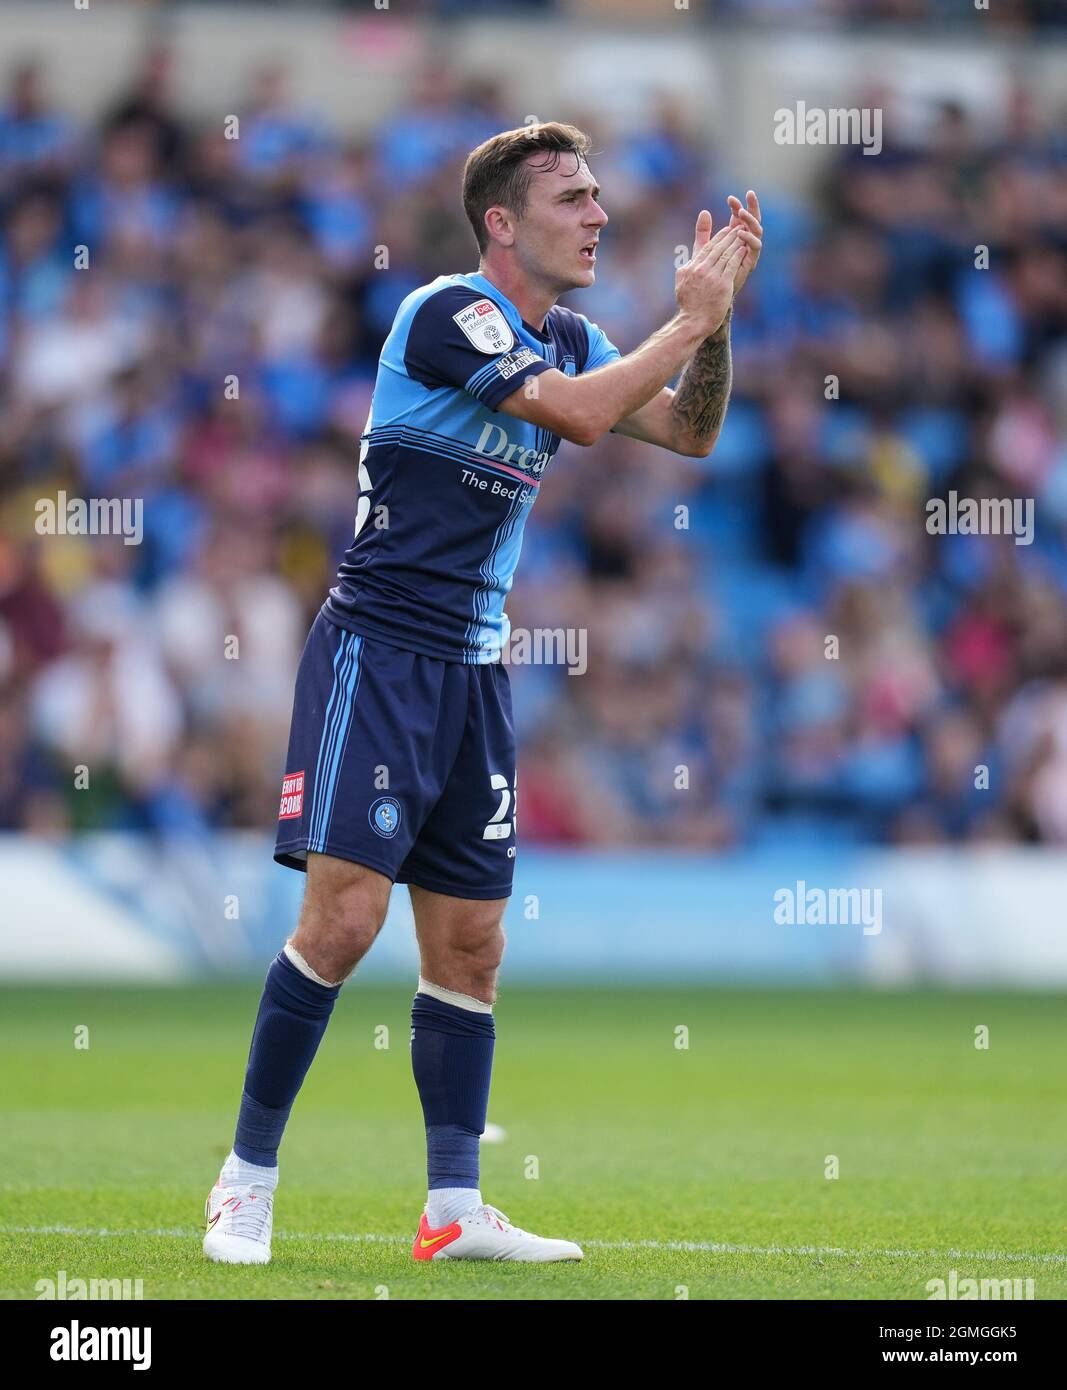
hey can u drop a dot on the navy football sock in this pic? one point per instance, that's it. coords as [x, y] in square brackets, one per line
[292, 1018]
[452, 1058]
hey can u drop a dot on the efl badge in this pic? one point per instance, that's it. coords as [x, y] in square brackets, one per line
[486, 327]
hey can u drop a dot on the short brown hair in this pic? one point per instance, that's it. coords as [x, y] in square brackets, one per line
[496, 172]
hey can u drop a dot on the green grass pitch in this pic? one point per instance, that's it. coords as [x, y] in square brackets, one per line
[696, 1172]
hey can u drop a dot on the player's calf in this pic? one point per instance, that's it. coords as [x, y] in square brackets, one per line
[343, 912]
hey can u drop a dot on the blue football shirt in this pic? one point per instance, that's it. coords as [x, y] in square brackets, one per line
[446, 480]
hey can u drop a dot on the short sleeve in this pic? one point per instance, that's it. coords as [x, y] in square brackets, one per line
[601, 349]
[462, 339]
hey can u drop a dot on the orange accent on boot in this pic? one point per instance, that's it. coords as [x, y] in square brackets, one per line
[428, 1241]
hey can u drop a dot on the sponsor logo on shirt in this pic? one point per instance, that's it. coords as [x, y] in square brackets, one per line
[493, 443]
[292, 805]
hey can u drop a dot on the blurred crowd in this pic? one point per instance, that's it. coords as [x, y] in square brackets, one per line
[777, 646]
[1017, 15]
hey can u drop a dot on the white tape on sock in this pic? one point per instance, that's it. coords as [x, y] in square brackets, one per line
[305, 969]
[450, 996]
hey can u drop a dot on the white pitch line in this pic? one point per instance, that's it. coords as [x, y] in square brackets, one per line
[692, 1246]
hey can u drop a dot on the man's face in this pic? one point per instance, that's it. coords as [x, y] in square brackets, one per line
[555, 238]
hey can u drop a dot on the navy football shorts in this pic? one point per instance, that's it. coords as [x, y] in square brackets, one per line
[400, 762]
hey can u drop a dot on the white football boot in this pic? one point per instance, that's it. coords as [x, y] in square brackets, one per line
[485, 1233]
[239, 1223]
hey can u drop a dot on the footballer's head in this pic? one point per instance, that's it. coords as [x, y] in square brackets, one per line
[532, 200]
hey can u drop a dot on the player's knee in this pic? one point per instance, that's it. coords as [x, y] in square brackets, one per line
[478, 949]
[493, 951]
[344, 908]
[334, 944]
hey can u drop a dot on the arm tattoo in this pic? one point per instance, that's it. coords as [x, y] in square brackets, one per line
[699, 405]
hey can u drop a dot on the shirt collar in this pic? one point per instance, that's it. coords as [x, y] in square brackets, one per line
[541, 334]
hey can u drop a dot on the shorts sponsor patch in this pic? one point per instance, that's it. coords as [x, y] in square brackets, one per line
[515, 361]
[292, 805]
[486, 327]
